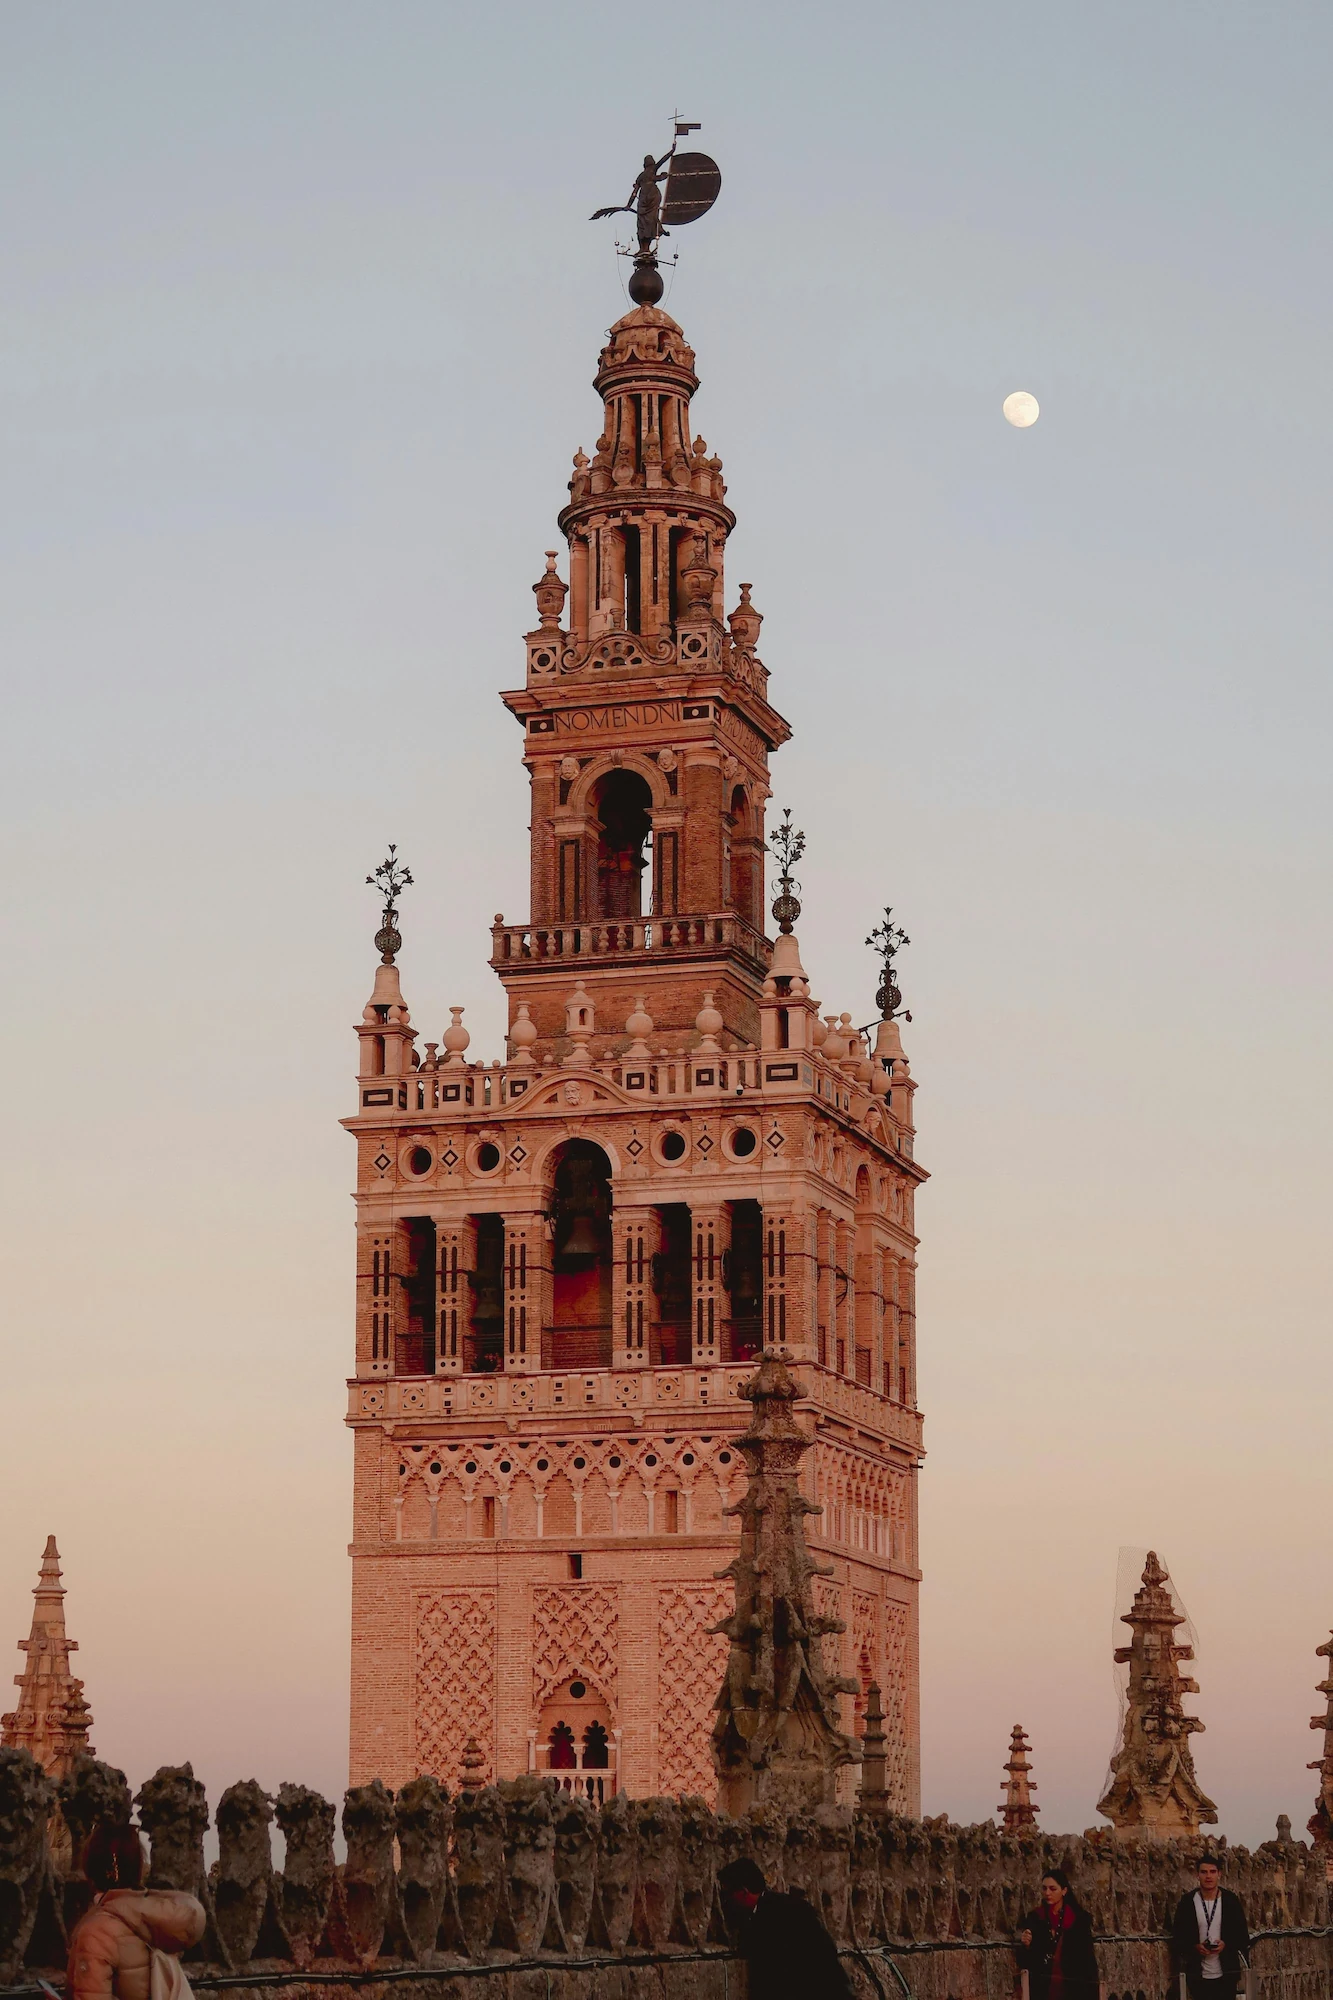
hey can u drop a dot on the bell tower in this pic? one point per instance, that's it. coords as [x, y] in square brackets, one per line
[647, 723]
[571, 1256]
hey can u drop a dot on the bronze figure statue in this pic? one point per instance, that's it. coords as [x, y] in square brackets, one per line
[644, 200]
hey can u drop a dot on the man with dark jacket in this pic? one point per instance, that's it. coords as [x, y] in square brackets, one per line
[789, 1953]
[1210, 1936]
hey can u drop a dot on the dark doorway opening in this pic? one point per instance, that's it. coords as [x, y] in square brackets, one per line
[671, 1281]
[416, 1341]
[485, 1341]
[580, 1332]
[747, 1281]
[622, 801]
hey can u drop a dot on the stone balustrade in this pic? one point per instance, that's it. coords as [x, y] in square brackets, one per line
[526, 1872]
[609, 938]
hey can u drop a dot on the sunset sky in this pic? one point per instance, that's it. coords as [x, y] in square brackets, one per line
[299, 310]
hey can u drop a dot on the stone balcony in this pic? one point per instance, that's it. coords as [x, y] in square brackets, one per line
[610, 939]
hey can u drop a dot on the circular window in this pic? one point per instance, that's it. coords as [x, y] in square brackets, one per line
[577, 1690]
[724, 1458]
[504, 1465]
[673, 1146]
[614, 1464]
[688, 1458]
[543, 1465]
[651, 1458]
[420, 1160]
[488, 1158]
[470, 1466]
[579, 1464]
[435, 1465]
[743, 1142]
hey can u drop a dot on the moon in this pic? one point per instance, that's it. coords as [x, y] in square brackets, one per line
[1021, 410]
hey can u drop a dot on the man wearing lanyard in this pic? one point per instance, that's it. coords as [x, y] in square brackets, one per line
[1210, 1936]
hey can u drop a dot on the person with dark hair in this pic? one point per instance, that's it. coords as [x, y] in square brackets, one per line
[1055, 1946]
[112, 1947]
[1209, 1935]
[788, 1952]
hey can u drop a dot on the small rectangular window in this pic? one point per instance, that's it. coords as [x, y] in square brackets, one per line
[671, 1512]
[488, 1517]
[575, 1566]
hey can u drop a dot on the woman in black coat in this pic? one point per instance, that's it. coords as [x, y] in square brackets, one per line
[1055, 1945]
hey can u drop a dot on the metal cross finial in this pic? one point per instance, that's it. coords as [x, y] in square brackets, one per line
[390, 878]
[788, 845]
[888, 939]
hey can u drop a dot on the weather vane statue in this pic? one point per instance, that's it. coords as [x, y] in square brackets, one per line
[678, 188]
[888, 939]
[390, 878]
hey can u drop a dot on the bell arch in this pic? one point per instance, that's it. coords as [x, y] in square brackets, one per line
[581, 1254]
[621, 805]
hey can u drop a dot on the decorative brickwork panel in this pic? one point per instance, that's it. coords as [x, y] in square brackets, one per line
[897, 1689]
[867, 1661]
[453, 1687]
[575, 1632]
[691, 1661]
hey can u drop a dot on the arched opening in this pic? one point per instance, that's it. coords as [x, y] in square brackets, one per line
[745, 1273]
[743, 889]
[621, 801]
[580, 1334]
[575, 1741]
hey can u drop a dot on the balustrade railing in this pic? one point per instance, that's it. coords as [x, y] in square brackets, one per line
[610, 937]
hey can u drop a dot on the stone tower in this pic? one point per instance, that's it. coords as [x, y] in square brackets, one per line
[1153, 1789]
[52, 1719]
[570, 1255]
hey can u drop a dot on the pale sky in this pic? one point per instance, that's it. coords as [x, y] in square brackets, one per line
[299, 310]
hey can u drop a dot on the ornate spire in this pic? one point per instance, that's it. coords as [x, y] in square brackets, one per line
[52, 1719]
[1320, 1823]
[1153, 1787]
[1016, 1805]
[776, 1737]
[873, 1795]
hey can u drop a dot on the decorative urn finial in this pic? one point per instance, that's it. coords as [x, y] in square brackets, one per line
[745, 622]
[390, 878]
[888, 939]
[550, 591]
[788, 845]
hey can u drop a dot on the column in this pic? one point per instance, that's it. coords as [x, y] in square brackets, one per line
[824, 1287]
[525, 1289]
[454, 1298]
[635, 1238]
[781, 1246]
[711, 1229]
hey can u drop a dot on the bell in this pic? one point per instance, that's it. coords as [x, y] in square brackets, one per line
[582, 1239]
